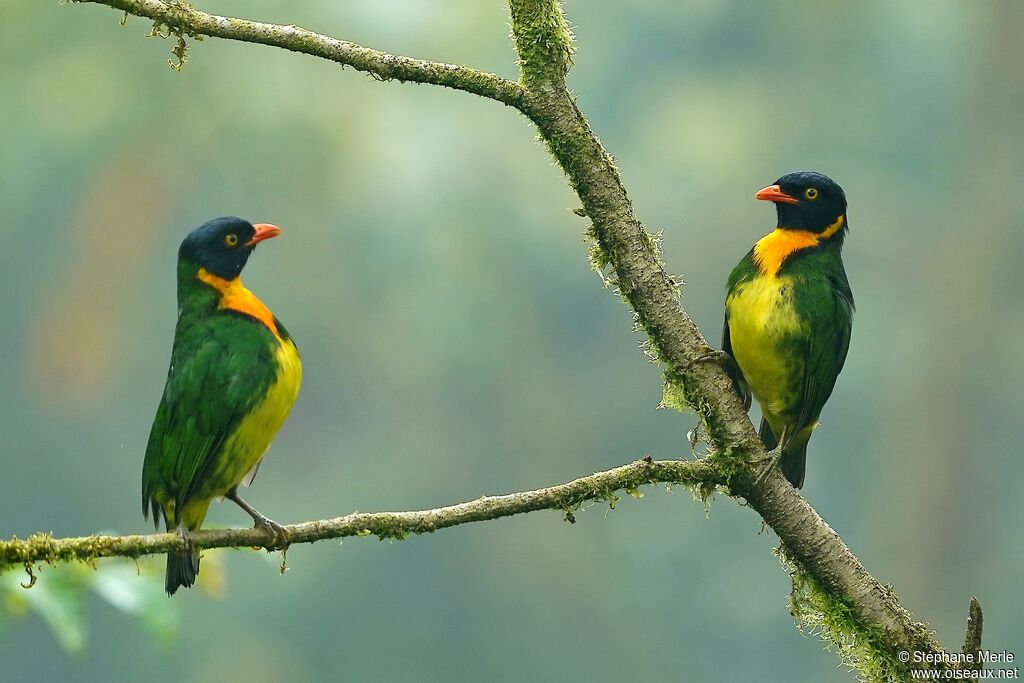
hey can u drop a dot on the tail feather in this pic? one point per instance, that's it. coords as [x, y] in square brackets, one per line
[793, 464]
[767, 438]
[794, 458]
[182, 569]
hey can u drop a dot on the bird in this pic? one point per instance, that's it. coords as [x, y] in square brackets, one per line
[234, 375]
[789, 315]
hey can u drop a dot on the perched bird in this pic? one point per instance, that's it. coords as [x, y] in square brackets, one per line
[234, 375]
[789, 312]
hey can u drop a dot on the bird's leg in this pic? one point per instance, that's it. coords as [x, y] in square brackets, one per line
[260, 520]
[186, 538]
[774, 456]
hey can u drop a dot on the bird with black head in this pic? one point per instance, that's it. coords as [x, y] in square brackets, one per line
[789, 315]
[234, 375]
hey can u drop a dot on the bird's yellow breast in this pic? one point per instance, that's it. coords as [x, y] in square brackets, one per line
[255, 432]
[244, 449]
[761, 314]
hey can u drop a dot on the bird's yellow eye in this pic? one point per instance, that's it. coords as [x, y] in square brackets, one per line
[231, 239]
[811, 193]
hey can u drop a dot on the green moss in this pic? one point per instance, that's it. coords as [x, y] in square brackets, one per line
[860, 646]
[599, 257]
[41, 548]
[179, 11]
[732, 466]
[634, 492]
[655, 241]
[730, 463]
[17, 552]
[180, 52]
[543, 40]
[673, 398]
[391, 528]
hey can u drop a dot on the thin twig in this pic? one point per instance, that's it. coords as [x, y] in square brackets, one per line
[391, 525]
[179, 17]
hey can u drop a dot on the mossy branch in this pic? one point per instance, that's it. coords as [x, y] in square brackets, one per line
[700, 475]
[544, 43]
[175, 17]
[832, 587]
[815, 550]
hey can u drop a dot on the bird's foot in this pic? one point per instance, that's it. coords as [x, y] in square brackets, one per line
[774, 457]
[260, 521]
[186, 539]
[282, 539]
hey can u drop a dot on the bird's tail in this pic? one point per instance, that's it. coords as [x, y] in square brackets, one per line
[767, 438]
[793, 464]
[794, 458]
[182, 569]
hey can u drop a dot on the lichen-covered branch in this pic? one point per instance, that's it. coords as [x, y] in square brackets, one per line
[699, 475]
[181, 19]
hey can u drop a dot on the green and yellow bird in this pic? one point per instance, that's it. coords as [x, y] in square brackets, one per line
[789, 313]
[234, 375]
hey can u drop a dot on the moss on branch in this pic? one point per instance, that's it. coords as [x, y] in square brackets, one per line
[180, 19]
[543, 40]
[601, 486]
[625, 245]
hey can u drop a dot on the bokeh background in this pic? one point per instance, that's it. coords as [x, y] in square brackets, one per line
[456, 342]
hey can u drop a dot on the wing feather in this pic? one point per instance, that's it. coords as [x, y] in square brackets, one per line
[220, 369]
[827, 347]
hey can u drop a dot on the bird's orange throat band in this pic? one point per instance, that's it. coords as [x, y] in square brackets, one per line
[773, 249]
[235, 297]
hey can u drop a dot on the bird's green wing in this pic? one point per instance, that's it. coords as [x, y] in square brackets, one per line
[829, 313]
[220, 368]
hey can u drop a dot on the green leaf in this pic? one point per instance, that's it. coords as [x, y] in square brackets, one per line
[57, 599]
[140, 594]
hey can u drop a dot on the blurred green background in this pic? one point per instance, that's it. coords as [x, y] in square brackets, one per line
[456, 342]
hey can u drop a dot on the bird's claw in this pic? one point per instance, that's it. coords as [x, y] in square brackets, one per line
[282, 539]
[186, 539]
[260, 521]
[774, 457]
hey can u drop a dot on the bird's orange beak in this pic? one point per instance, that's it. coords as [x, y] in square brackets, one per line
[264, 231]
[774, 193]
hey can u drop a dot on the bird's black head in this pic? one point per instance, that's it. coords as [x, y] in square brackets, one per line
[806, 200]
[222, 246]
